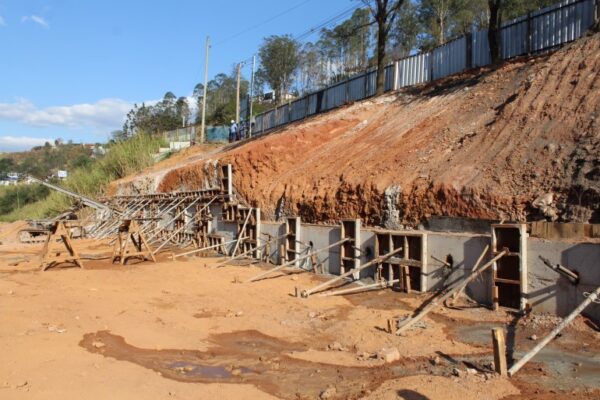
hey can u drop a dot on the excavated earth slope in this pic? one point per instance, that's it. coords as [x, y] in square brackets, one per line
[518, 142]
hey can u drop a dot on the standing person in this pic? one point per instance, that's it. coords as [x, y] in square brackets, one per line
[242, 130]
[233, 131]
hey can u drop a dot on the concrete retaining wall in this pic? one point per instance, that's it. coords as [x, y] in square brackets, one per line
[547, 291]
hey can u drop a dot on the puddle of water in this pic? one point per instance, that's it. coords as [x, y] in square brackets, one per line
[566, 369]
[201, 371]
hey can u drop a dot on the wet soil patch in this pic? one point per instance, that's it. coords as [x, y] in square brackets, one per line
[254, 358]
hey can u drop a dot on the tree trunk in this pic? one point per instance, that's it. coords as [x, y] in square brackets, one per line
[381, 40]
[494, 29]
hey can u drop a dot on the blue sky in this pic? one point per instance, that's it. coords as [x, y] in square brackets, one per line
[73, 68]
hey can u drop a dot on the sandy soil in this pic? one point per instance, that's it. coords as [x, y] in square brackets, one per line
[185, 330]
[484, 144]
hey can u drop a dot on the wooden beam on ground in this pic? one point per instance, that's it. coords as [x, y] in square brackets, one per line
[591, 297]
[439, 300]
[379, 285]
[292, 262]
[377, 260]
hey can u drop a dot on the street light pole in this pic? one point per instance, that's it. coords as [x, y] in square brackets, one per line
[237, 95]
[203, 125]
[251, 96]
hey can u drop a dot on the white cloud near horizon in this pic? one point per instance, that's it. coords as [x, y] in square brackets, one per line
[36, 19]
[108, 114]
[21, 143]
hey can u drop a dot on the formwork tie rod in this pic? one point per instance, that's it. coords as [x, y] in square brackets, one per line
[566, 272]
[380, 259]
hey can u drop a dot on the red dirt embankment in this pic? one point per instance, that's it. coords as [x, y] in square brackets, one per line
[484, 144]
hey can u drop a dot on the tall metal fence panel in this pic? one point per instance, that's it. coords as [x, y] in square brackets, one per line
[537, 31]
[480, 48]
[547, 28]
[413, 70]
[388, 82]
[449, 58]
[357, 88]
[299, 109]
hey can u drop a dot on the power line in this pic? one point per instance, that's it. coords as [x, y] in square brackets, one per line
[300, 37]
[330, 20]
[287, 11]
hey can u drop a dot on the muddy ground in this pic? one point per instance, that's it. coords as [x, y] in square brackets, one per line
[185, 330]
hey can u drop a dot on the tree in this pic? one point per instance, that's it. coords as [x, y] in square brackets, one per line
[495, 7]
[405, 31]
[279, 58]
[384, 12]
[183, 110]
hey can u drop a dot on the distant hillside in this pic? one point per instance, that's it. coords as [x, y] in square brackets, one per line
[42, 161]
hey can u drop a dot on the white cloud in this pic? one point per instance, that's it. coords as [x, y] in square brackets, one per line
[2, 22]
[36, 19]
[106, 114]
[20, 143]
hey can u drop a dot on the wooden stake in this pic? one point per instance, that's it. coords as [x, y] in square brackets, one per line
[499, 351]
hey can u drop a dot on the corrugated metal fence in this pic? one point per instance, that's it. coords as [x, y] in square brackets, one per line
[538, 31]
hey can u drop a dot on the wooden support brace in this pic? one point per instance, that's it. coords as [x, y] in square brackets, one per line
[459, 286]
[308, 292]
[292, 262]
[590, 297]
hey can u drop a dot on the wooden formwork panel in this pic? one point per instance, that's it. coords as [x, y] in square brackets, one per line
[350, 250]
[292, 230]
[414, 245]
[509, 282]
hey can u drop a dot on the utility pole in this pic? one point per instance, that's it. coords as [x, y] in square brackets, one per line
[251, 96]
[237, 96]
[203, 125]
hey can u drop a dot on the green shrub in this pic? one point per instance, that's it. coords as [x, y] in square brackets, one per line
[123, 158]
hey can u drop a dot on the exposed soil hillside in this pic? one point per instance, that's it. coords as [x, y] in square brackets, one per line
[484, 144]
